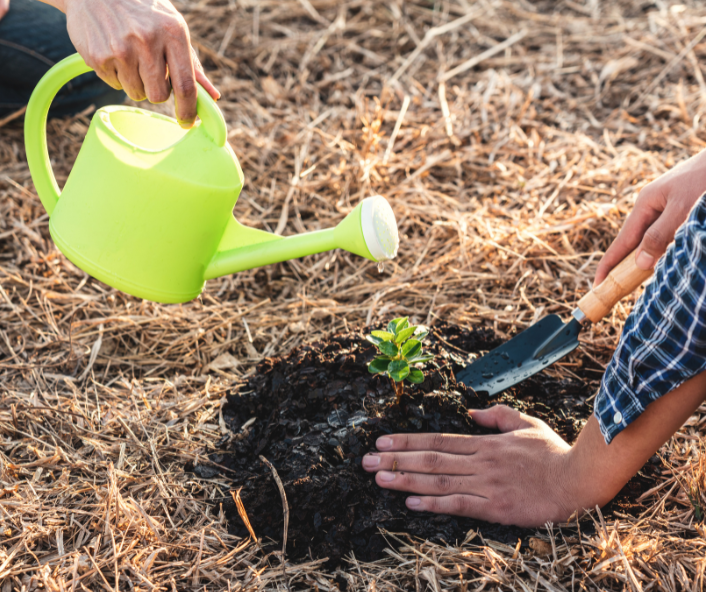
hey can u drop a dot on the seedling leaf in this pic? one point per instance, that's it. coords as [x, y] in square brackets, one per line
[378, 365]
[388, 348]
[420, 359]
[402, 323]
[416, 376]
[404, 334]
[411, 348]
[396, 325]
[422, 335]
[374, 340]
[383, 335]
[398, 370]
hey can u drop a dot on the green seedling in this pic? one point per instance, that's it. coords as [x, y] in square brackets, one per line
[400, 350]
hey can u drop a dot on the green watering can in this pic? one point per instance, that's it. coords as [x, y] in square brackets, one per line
[148, 206]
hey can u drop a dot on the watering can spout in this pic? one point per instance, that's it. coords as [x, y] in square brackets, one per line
[369, 231]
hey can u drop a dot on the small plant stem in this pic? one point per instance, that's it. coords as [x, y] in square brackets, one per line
[398, 390]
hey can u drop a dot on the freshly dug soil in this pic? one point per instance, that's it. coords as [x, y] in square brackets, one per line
[314, 414]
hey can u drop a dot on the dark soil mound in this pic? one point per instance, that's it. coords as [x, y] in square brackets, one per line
[317, 411]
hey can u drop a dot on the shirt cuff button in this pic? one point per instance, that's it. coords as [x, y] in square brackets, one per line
[618, 417]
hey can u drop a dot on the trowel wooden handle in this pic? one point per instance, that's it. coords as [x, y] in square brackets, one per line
[621, 281]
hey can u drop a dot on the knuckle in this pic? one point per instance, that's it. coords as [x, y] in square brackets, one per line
[94, 61]
[650, 191]
[503, 412]
[120, 52]
[655, 238]
[186, 87]
[148, 34]
[645, 194]
[431, 461]
[438, 441]
[442, 483]
[175, 26]
[158, 95]
[100, 60]
[498, 409]
[138, 36]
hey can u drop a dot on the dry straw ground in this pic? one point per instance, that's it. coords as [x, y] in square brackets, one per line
[511, 138]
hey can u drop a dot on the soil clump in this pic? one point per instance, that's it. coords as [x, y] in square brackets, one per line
[315, 412]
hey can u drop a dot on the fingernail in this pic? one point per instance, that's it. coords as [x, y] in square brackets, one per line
[413, 502]
[384, 443]
[187, 124]
[645, 260]
[371, 461]
[386, 476]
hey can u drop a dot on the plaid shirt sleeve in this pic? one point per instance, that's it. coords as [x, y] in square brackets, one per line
[663, 343]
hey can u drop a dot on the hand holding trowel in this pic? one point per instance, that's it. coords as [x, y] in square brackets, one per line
[550, 339]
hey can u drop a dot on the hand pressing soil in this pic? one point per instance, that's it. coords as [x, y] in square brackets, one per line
[314, 414]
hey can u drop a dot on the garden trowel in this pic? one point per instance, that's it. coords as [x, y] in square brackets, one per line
[550, 339]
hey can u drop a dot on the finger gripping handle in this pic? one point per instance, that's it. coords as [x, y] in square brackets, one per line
[621, 281]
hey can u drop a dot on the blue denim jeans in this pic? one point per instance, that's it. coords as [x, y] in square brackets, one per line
[33, 38]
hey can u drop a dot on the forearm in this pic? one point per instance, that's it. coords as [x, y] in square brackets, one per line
[60, 4]
[597, 471]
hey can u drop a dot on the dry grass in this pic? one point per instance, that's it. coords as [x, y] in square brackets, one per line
[510, 168]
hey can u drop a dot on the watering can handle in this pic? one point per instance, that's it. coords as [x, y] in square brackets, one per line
[36, 124]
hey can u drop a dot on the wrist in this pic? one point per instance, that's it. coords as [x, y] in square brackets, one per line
[569, 481]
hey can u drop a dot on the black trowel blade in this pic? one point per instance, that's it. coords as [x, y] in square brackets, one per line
[525, 354]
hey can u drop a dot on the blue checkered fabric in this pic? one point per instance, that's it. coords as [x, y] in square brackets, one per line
[664, 339]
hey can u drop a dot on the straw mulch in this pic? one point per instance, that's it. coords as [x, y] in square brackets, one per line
[511, 138]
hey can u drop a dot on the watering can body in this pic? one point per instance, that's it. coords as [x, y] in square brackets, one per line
[147, 207]
[146, 222]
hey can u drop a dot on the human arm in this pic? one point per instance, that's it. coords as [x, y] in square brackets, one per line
[4, 7]
[141, 46]
[661, 207]
[526, 475]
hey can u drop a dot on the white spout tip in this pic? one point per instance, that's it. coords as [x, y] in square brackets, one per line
[379, 228]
